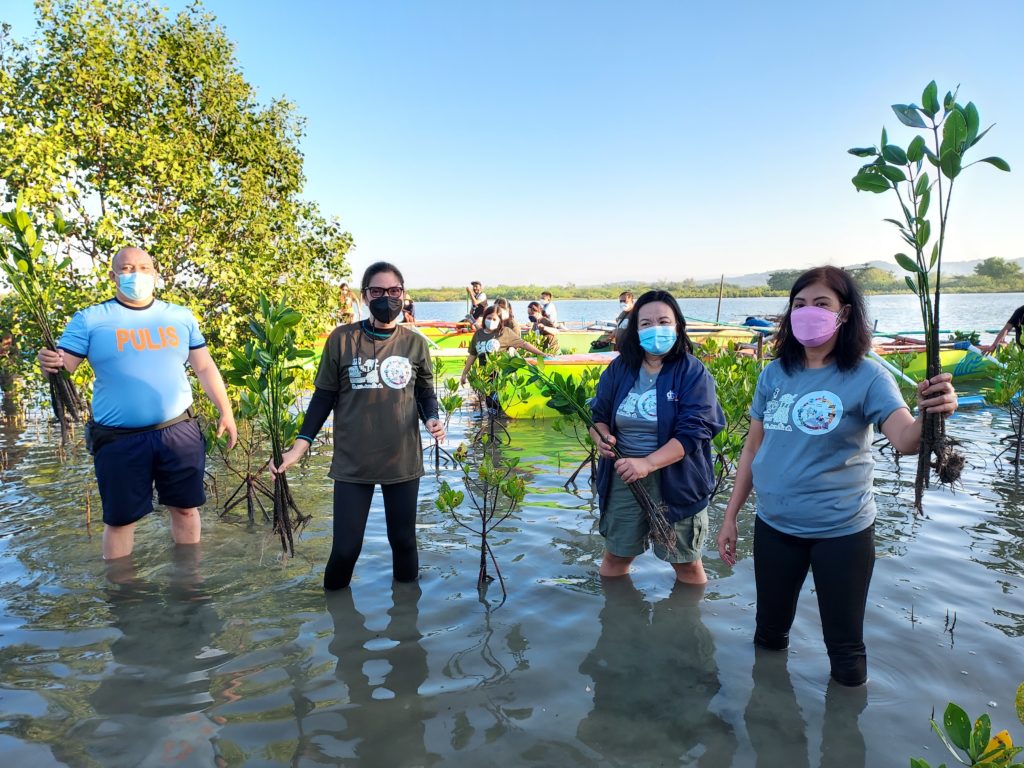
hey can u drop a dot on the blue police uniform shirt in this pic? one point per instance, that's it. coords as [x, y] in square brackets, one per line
[139, 356]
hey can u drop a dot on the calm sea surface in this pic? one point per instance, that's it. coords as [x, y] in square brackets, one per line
[232, 655]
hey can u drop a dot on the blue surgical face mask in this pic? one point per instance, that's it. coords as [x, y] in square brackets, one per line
[137, 286]
[658, 339]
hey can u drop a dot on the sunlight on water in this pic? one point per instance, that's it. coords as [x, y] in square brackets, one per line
[233, 654]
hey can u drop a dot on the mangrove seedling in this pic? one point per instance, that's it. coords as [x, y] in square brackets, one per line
[569, 397]
[449, 401]
[952, 130]
[659, 530]
[735, 378]
[978, 745]
[494, 492]
[1007, 387]
[30, 269]
[267, 369]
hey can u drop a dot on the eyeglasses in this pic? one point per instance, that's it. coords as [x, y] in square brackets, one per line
[395, 292]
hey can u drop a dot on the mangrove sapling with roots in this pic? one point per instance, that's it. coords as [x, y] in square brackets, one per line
[448, 403]
[659, 529]
[952, 130]
[494, 492]
[30, 268]
[267, 369]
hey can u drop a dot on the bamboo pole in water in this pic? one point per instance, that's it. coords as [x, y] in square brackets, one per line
[721, 290]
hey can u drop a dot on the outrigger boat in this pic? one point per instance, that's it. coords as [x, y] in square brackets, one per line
[906, 355]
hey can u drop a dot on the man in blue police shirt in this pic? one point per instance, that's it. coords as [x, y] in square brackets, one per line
[143, 433]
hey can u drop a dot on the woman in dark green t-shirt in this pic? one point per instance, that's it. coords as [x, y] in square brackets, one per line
[377, 378]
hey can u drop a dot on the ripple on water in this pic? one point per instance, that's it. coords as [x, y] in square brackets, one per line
[240, 655]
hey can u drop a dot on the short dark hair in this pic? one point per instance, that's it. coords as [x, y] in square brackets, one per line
[381, 266]
[477, 282]
[545, 293]
[628, 345]
[853, 339]
[534, 305]
[626, 295]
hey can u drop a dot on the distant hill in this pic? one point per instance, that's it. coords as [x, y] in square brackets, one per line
[759, 279]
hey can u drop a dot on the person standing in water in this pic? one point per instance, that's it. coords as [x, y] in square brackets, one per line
[143, 433]
[377, 378]
[656, 403]
[808, 459]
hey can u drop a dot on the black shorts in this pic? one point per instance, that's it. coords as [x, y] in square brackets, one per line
[173, 459]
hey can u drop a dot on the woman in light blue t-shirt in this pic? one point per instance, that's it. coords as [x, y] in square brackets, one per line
[808, 459]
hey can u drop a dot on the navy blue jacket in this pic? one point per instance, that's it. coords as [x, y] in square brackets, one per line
[688, 411]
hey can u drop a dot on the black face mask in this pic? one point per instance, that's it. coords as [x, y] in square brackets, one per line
[385, 309]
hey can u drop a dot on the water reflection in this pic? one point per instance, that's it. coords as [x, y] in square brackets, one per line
[654, 676]
[776, 726]
[384, 718]
[151, 703]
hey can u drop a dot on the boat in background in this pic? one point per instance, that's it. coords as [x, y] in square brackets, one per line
[527, 402]
[962, 359]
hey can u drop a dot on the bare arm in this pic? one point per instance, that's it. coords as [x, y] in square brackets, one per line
[743, 485]
[213, 385]
[934, 395]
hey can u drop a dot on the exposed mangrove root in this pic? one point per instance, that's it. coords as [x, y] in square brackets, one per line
[937, 454]
[591, 461]
[288, 519]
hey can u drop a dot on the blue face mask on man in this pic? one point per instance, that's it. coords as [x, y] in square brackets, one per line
[658, 339]
[137, 286]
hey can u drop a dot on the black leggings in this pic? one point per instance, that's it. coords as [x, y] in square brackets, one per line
[351, 508]
[841, 568]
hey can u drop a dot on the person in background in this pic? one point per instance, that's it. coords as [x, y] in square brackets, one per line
[657, 404]
[408, 310]
[508, 317]
[348, 305]
[477, 300]
[493, 338]
[377, 379]
[142, 433]
[1014, 323]
[808, 458]
[622, 321]
[548, 305]
[543, 327]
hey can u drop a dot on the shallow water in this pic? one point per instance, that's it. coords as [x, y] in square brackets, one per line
[232, 655]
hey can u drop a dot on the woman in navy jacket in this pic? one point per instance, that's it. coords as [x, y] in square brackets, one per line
[656, 403]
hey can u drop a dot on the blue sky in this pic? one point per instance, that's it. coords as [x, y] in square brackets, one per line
[590, 142]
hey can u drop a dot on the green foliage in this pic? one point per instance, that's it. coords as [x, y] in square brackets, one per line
[30, 268]
[267, 369]
[997, 269]
[735, 376]
[974, 337]
[980, 747]
[493, 491]
[783, 280]
[953, 130]
[140, 128]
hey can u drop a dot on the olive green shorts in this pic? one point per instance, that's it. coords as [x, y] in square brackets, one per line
[624, 525]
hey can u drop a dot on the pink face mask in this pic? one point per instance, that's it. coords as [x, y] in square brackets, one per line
[813, 326]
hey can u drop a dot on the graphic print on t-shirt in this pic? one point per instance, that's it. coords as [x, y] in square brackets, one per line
[643, 406]
[396, 371]
[486, 347]
[818, 413]
[364, 374]
[776, 411]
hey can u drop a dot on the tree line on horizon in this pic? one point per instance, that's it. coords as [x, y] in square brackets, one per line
[992, 275]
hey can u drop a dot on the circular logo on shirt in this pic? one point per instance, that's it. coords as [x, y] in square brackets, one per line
[818, 413]
[486, 347]
[396, 372]
[647, 405]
